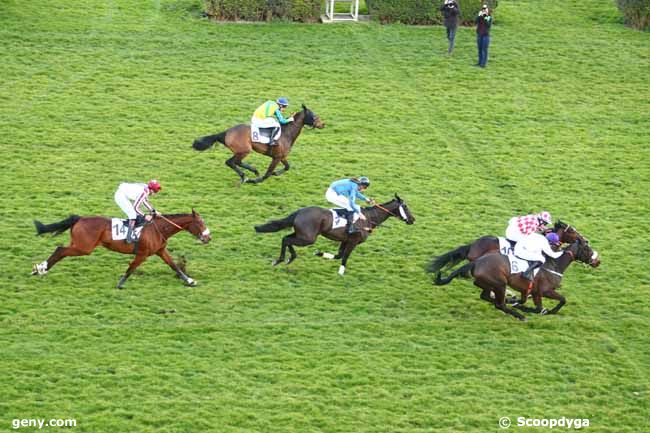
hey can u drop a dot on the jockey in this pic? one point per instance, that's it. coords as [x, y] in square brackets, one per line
[520, 226]
[531, 247]
[139, 193]
[269, 115]
[344, 193]
[554, 240]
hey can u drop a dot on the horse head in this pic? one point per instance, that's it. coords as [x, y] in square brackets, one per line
[582, 252]
[198, 228]
[402, 210]
[567, 233]
[312, 119]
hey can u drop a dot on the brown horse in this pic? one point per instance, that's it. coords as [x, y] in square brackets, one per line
[491, 273]
[238, 140]
[488, 244]
[87, 233]
[309, 222]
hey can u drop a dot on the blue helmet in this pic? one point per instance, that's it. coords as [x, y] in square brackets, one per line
[283, 101]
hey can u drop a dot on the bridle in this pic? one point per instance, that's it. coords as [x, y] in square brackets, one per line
[403, 218]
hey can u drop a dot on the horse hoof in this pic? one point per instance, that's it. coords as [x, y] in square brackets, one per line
[341, 270]
[190, 282]
[288, 261]
[275, 262]
[523, 319]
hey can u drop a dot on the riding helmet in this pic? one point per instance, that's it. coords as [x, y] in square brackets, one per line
[363, 181]
[154, 185]
[283, 101]
[553, 238]
[544, 217]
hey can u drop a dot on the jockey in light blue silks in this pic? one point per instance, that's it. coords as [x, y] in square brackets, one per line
[344, 193]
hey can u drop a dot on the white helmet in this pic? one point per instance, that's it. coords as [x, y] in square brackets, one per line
[544, 217]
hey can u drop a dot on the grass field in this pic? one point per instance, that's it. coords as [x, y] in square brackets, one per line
[94, 93]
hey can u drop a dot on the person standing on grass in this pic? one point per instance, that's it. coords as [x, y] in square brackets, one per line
[483, 24]
[451, 11]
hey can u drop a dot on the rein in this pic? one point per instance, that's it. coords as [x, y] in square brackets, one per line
[386, 210]
[169, 221]
[553, 272]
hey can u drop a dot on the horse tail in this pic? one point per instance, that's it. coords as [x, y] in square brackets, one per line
[203, 143]
[449, 259]
[462, 272]
[277, 225]
[57, 228]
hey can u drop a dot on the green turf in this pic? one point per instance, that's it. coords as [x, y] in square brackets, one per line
[93, 93]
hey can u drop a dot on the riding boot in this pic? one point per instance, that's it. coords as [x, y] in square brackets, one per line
[532, 265]
[273, 142]
[130, 234]
[350, 228]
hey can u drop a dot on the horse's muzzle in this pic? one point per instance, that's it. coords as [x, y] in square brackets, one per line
[594, 262]
[204, 236]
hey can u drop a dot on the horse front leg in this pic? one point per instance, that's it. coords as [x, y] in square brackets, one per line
[269, 172]
[286, 168]
[552, 294]
[167, 258]
[347, 250]
[134, 264]
[331, 256]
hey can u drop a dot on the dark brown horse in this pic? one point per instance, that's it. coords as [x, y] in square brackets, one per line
[87, 233]
[491, 273]
[488, 244]
[309, 222]
[238, 140]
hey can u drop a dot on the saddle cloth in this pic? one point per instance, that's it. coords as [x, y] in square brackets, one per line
[263, 135]
[505, 247]
[120, 227]
[517, 265]
[338, 218]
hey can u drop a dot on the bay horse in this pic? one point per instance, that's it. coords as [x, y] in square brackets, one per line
[309, 222]
[87, 233]
[238, 140]
[491, 273]
[488, 244]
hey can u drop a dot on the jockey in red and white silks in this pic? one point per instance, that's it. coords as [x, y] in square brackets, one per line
[139, 193]
[520, 226]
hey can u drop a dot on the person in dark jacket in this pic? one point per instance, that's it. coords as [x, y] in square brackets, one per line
[451, 11]
[483, 24]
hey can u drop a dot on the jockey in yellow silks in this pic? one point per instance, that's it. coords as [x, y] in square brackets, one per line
[269, 115]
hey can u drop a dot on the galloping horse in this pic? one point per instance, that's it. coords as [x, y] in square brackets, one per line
[87, 233]
[491, 273]
[488, 244]
[309, 222]
[238, 140]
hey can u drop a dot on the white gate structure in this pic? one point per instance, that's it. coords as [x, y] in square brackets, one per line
[331, 16]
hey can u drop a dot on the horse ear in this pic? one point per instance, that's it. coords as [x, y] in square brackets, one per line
[193, 212]
[397, 197]
[304, 108]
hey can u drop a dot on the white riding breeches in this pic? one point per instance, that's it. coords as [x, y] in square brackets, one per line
[529, 251]
[126, 205]
[339, 200]
[268, 122]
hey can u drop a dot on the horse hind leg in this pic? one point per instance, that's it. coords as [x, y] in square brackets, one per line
[299, 242]
[58, 254]
[249, 167]
[134, 264]
[233, 163]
